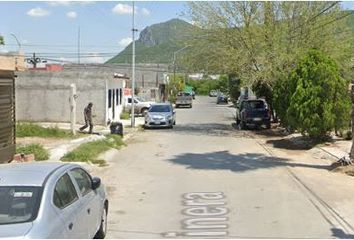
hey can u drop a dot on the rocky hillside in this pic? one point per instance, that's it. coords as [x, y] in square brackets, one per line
[157, 43]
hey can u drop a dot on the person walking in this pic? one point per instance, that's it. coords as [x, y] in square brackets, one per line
[88, 118]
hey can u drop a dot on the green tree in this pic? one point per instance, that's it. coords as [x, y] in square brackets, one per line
[261, 41]
[317, 100]
[2, 40]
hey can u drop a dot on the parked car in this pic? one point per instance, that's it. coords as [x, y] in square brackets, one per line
[51, 200]
[213, 93]
[160, 115]
[141, 106]
[184, 99]
[222, 99]
[253, 112]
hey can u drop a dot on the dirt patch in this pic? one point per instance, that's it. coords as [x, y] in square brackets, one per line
[349, 170]
[291, 143]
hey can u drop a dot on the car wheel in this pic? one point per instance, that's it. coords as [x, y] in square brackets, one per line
[177, 106]
[190, 106]
[144, 111]
[174, 123]
[103, 228]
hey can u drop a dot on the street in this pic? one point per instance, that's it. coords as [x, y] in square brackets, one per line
[205, 178]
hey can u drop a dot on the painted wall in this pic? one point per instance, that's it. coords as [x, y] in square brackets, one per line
[44, 96]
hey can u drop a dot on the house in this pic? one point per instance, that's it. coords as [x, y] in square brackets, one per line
[8, 64]
[43, 96]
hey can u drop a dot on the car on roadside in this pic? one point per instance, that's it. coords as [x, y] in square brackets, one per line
[160, 115]
[213, 93]
[253, 112]
[221, 98]
[184, 99]
[141, 106]
[51, 200]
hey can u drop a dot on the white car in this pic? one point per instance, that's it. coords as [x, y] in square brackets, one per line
[160, 115]
[141, 106]
[51, 200]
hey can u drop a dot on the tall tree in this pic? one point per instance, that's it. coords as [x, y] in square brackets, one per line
[2, 40]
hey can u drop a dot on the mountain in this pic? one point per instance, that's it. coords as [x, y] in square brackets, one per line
[157, 43]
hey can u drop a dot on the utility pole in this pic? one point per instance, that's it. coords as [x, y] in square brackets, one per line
[174, 60]
[34, 60]
[78, 46]
[73, 97]
[133, 69]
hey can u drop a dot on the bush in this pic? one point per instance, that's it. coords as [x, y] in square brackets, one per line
[314, 98]
[34, 130]
[348, 135]
[39, 152]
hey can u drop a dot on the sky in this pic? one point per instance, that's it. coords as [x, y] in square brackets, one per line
[50, 28]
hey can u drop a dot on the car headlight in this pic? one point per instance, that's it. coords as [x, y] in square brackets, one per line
[169, 117]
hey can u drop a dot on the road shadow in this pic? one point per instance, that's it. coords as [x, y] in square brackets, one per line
[339, 233]
[210, 129]
[223, 160]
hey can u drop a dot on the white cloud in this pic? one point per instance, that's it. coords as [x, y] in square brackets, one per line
[38, 12]
[71, 14]
[145, 11]
[125, 41]
[123, 9]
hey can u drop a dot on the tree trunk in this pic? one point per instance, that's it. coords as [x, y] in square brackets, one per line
[351, 155]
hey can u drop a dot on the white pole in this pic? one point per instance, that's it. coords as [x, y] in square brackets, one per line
[133, 72]
[78, 46]
[73, 108]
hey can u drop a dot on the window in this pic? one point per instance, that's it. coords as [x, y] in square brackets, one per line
[117, 97]
[109, 98]
[83, 180]
[129, 100]
[19, 204]
[64, 192]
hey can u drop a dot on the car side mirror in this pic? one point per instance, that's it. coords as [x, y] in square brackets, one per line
[174, 112]
[96, 183]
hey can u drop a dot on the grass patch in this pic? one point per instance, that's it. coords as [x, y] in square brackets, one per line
[37, 149]
[34, 130]
[88, 152]
[125, 115]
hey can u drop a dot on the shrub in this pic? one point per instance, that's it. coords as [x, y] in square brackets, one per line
[39, 152]
[314, 98]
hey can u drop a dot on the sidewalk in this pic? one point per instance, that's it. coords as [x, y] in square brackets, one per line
[57, 151]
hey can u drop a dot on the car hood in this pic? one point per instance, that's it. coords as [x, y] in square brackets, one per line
[159, 114]
[18, 230]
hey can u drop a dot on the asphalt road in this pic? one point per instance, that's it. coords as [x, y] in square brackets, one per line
[204, 178]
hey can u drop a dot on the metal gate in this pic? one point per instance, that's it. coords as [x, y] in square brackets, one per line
[7, 116]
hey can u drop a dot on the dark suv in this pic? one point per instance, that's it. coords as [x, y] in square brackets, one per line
[253, 112]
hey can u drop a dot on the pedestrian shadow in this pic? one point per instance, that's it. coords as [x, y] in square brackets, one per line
[339, 233]
[224, 160]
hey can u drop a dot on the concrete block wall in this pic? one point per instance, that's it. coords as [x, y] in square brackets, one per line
[44, 96]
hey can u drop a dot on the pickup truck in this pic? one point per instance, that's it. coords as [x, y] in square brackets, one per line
[184, 99]
[140, 105]
[252, 112]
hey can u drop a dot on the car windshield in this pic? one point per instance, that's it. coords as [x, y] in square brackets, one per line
[160, 108]
[19, 204]
[255, 104]
[140, 99]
